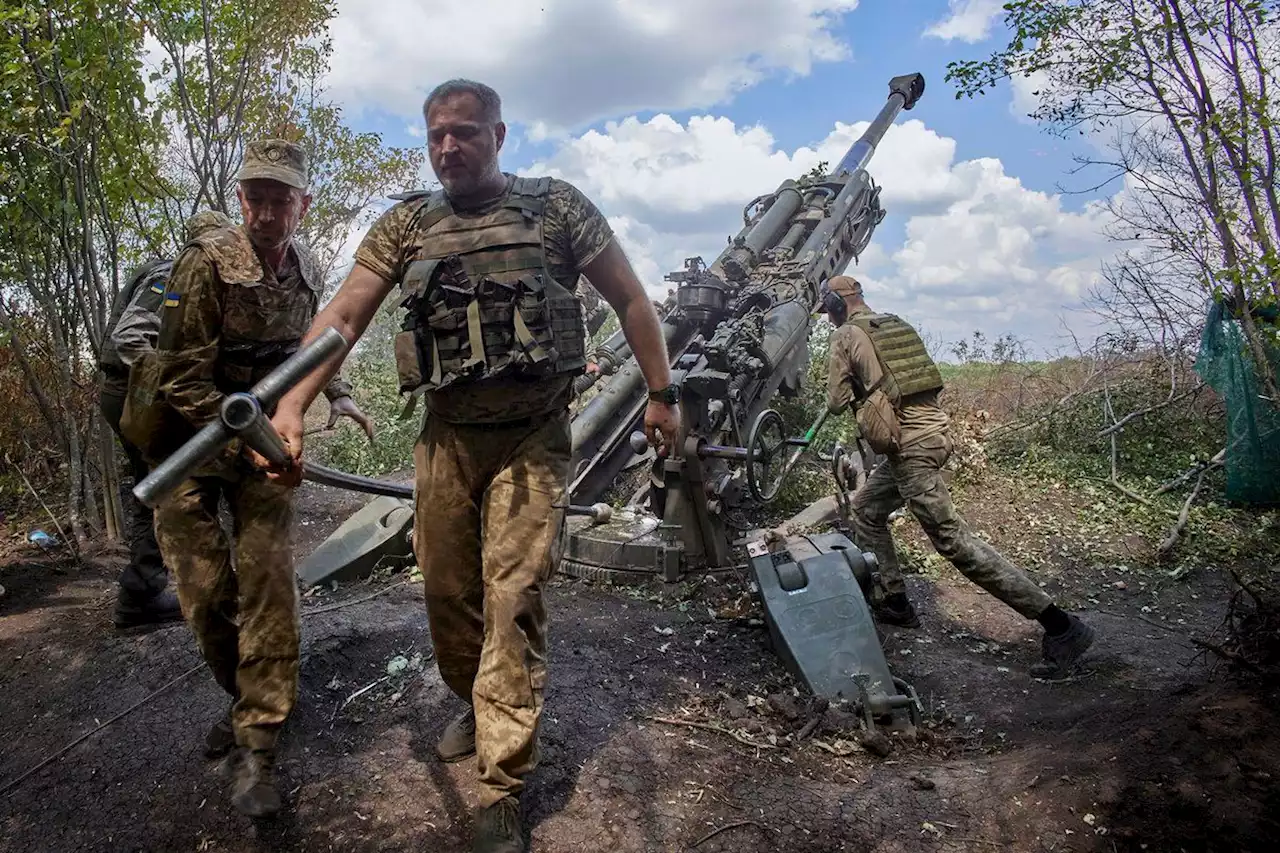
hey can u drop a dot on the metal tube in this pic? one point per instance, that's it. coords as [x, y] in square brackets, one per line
[904, 91]
[616, 395]
[206, 443]
[275, 384]
[166, 476]
[764, 234]
[243, 416]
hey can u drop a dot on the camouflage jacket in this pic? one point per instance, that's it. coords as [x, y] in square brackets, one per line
[228, 320]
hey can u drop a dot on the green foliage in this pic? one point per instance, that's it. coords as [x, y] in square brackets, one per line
[392, 449]
[103, 159]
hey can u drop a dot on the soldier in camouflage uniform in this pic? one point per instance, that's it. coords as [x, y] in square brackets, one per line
[238, 302]
[142, 598]
[493, 338]
[879, 365]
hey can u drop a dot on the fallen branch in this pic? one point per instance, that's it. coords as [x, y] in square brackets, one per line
[70, 543]
[711, 727]
[1200, 468]
[1120, 424]
[1166, 545]
[713, 833]
[332, 607]
[809, 728]
[1227, 654]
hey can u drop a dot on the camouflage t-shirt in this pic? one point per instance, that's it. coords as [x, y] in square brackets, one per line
[574, 233]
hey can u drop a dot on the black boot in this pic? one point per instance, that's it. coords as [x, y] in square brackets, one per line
[897, 610]
[221, 738]
[498, 828]
[459, 738]
[253, 786]
[1063, 650]
[134, 612]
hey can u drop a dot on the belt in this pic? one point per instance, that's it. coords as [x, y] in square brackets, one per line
[520, 423]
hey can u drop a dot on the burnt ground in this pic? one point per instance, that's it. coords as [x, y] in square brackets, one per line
[1151, 747]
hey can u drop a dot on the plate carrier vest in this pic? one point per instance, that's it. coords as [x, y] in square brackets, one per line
[479, 299]
[905, 364]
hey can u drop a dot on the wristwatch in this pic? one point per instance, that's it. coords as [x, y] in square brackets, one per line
[669, 395]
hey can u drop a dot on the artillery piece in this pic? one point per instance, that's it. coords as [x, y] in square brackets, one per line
[737, 332]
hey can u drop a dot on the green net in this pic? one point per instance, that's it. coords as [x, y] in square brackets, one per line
[1253, 423]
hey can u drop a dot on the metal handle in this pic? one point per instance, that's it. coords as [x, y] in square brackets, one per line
[242, 415]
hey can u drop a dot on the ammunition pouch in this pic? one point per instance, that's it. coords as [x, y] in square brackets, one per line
[484, 305]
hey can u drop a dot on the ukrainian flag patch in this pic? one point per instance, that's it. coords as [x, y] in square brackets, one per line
[158, 287]
[171, 300]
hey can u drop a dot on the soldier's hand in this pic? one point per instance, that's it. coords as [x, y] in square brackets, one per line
[662, 425]
[289, 426]
[345, 406]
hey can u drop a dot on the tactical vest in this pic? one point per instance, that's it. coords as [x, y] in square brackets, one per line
[151, 274]
[904, 361]
[262, 323]
[479, 300]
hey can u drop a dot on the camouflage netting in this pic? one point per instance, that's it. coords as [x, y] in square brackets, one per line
[1253, 424]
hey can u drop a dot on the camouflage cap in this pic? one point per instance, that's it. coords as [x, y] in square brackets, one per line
[275, 160]
[844, 285]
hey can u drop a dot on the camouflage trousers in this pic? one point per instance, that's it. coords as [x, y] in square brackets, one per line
[914, 477]
[487, 536]
[240, 598]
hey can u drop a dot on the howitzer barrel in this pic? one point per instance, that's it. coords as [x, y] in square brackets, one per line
[904, 92]
[618, 394]
[241, 415]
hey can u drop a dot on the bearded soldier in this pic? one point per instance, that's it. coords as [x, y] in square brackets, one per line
[493, 337]
[237, 305]
[879, 364]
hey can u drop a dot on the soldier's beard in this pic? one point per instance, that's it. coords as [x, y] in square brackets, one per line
[465, 186]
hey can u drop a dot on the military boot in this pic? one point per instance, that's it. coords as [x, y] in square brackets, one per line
[498, 828]
[459, 738]
[897, 610]
[221, 737]
[253, 788]
[133, 612]
[1062, 651]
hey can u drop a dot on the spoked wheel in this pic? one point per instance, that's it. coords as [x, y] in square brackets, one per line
[840, 464]
[766, 461]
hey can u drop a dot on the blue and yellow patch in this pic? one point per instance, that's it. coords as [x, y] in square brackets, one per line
[158, 287]
[171, 300]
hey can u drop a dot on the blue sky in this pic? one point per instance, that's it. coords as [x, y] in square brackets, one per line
[671, 114]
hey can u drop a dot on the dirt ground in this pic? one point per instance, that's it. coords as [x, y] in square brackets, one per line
[1152, 747]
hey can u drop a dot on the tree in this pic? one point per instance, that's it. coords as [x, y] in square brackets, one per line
[76, 136]
[102, 161]
[1182, 94]
[237, 70]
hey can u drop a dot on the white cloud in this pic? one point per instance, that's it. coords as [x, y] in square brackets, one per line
[979, 251]
[969, 20]
[1027, 92]
[567, 63]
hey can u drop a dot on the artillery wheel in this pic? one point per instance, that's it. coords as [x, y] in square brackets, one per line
[763, 445]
